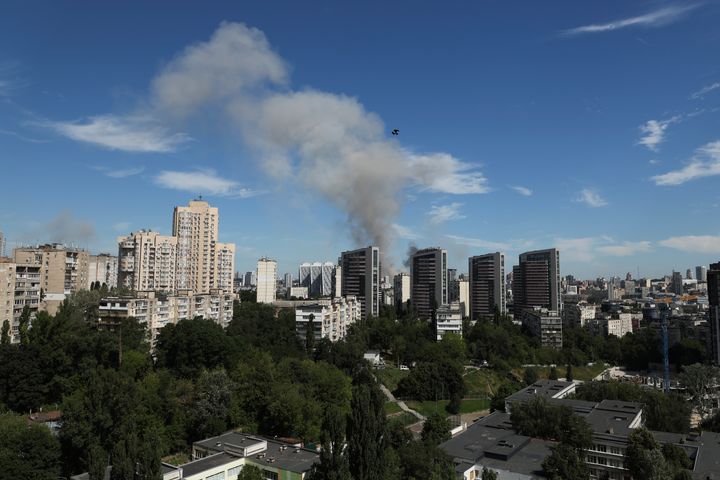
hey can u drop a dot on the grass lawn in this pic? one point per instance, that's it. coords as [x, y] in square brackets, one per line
[177, 459]
[390, 376]
[391, 407]
[583, 373]
[482, 382]
[468, 405]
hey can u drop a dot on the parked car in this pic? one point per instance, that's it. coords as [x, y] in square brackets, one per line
[404, 367]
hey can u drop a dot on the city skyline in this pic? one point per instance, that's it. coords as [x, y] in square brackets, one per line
[590, 129]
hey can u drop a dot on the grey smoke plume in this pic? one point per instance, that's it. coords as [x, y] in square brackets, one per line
[330, 142]
[64, 228]
[412, 250]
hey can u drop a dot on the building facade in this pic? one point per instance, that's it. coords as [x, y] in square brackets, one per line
[713, 284]
[317, 277]
[7, 294]
[701, 273]
[536, 281]
[102, 270]
[360, 278]
[544, 324]
[266, 280]
[428, 281]
[147, 261]
[487, 285]
[401, 290]
[448, 319]
[331, 318]
[63, 271]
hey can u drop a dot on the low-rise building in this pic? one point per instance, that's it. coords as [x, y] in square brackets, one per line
[296, 292]
[156, 311]
[544, 324]
[578, 314]
[448, 319]
[617, 326]
[331, 319]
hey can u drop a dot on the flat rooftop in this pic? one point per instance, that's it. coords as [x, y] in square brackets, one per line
[545, 388]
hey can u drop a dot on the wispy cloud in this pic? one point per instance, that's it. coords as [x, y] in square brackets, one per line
[22, 137]
[591, 197]
[479, 243]
[205, 181]
[694, 243]
[654, 132]
[405, 232]
[129, 134]
[444, 213]
[10, 80]
[657, 18]
[121, 173]
[705, 90]
[443, 173]
[587, 249]
[522, 190]
[121, 226]
[705, 163]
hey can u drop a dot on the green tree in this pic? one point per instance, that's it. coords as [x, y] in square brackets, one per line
[191, 346]
[27, 451]
[435, 430]
[645, 458]
[97, 462]
[366, 429]
[488, 474]
[566, 463]
[530, 375]
[5, 336]
[333, 464]
[553, 374]
[310, 335]
[24, 325]
[569, 373]
[698, 381]
[250, 472]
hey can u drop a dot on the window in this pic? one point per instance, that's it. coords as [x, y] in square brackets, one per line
[217, 476]
[233, 473]
[270, 475]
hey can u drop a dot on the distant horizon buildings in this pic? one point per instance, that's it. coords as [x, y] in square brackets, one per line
[266, 280]
[360, 277]
[428, 281]
[487, 290]
[536, 281]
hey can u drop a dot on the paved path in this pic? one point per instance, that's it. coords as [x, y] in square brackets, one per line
[400, 403]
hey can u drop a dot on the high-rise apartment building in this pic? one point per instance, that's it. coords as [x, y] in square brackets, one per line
[676, 284]
[317, 277]
[288, 281]
[250, 279]
[7, 293]
[701, 273]
[2, 244]
[63, 271]
[361, 278]
[464, 296]
[203, 263]
[713, 281]
[147, 261]
[401, 290]
[536, 281]
[428, 281]
[487, 285]
[103, 269]
[689, 274]
[266, 280]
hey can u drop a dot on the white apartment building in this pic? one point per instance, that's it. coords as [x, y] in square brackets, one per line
[401, 290]
[618, 326]
[448, 320]
[578, 314]
[331, 318]
[157, 311]
[147, 261]
[464, 297]
[102, 268]
[296, 292]
[266, 280]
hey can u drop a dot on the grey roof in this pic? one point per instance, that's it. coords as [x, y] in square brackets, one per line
[203, 464]
[492, 441]
[279, 455]
[703, 449]
[613, 417]
[545, 388]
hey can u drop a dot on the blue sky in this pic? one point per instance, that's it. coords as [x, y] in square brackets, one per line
[588, 126]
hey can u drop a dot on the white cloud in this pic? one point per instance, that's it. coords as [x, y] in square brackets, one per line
[405, 232]
[591, 197]
[479, 243]
[121, 173]
[705, 90]
[522, 190]
[705, 163]
[586, 249]
[121, 226]
[444, 213]
[203, 182]
[709, 244]
[129, 134]
[654, 132]
[658, 18]
[442, 173]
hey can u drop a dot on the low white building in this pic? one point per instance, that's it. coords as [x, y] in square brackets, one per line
[578, 314]
[448, 319]
[296, 292]
[330, 318]
[618, 326]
